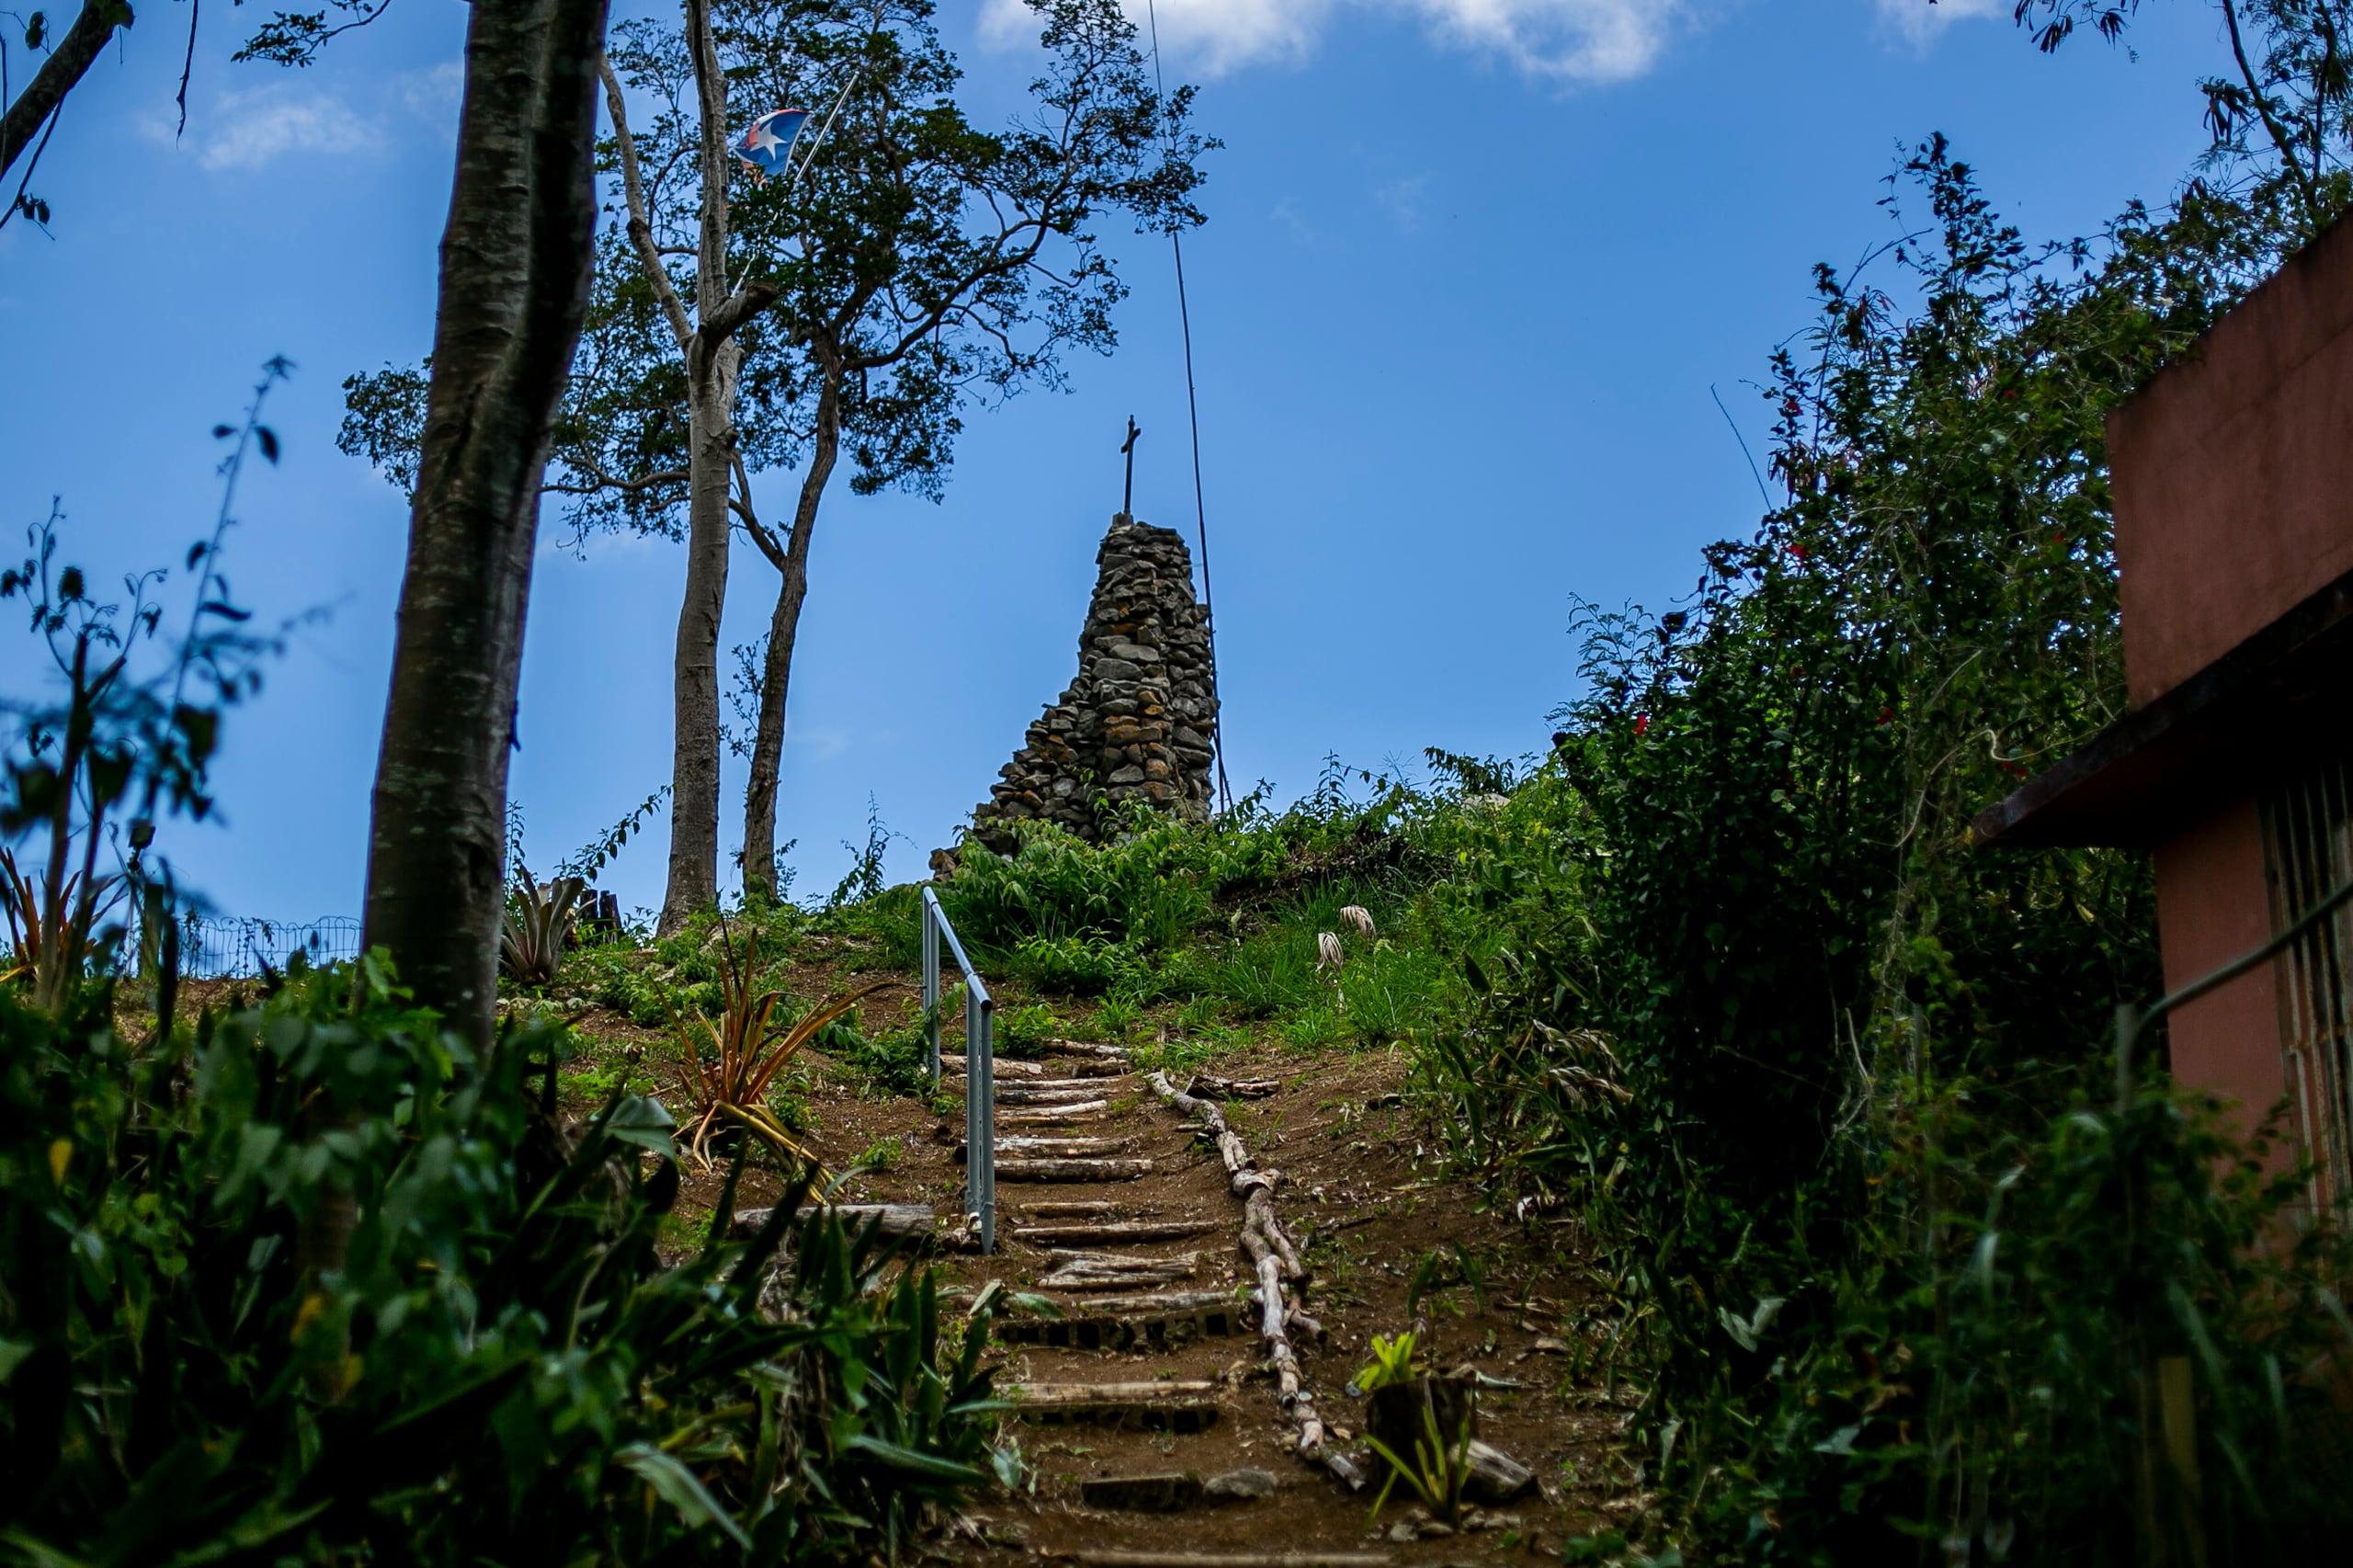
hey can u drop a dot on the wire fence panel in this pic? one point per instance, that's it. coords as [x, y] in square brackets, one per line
[240, 950]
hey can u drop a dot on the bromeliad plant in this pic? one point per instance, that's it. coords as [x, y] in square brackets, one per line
[538, 924]
[32, 910]
[727, 1064]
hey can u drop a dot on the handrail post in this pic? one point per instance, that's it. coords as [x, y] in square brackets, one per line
[930, 986]
[980, 1111]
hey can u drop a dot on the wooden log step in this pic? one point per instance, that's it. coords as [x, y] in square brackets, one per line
[1094, 1082]
[1095, 1067]
[1118, 1231]
[1050, 1115]
[1171, 1492]
[1233, 1560]
[1110, 1271]
[1120, 1260]
[1158, 1301]
[1125, 1324]
[1162, 1405]
[1054, 1148]
[1050, 1092]
[1087, 1048]
[1072, 1209]
[1090, 1558]
[1004, 1067]
[1127, 1169]
[901, 1220]
[1210, 1086]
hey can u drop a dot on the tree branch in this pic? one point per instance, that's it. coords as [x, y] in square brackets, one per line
[600, 479]
[58, 75]
[740, 502]
[2304, 190]
[728, 319]
[640, 227]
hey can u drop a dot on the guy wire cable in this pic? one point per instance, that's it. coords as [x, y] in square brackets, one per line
[1192, 407]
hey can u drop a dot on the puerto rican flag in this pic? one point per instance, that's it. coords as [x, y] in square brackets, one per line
[767, 147]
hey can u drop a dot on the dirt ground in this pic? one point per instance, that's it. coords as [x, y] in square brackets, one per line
[1364, 1191]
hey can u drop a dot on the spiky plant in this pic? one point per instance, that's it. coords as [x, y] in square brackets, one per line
[726, 1064]
[1357, 916]
[538, 922]
[31, 909]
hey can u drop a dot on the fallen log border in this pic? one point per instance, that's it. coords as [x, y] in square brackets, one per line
[1277, 1262]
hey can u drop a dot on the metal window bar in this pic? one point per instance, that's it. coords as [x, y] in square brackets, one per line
[2309, 833]
[980, 1066]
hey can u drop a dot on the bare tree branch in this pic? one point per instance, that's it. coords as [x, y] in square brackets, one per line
[740, 504]
[58, 75]
[640, 227]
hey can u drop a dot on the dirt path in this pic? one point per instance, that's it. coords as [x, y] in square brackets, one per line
[1151, 1420]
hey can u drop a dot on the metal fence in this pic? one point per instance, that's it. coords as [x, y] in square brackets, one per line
[980, 1065]
[240, 950]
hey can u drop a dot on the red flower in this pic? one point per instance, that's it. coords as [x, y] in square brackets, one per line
[1642, 722]
[1797, 552]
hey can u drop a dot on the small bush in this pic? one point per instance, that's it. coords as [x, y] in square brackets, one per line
[1071, 966]
[318, 1286]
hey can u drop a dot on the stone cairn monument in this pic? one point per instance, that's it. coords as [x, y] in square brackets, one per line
[1136, 723]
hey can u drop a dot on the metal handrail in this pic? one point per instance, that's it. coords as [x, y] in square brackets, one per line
[980, 1066]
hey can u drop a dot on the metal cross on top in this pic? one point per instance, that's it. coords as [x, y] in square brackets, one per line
[1128, 450]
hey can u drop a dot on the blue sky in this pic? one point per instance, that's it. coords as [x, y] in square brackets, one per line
[1471, 271]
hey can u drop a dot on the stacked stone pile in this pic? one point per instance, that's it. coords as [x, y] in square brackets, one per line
[1136, 723]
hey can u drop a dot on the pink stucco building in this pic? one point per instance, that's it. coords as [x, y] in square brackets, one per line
[2234, 488]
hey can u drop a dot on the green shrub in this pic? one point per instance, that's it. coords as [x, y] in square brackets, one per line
[315, 1285]
[1821, 1076]
[1071, 966]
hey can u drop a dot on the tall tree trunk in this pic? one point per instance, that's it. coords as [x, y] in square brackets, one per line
[694, 734]
[516, 262]
[58, 75]
[784, 626]
[712, 356]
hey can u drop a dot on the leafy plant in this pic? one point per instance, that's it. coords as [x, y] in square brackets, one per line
[537, 924]
[120, 737]
[318, 1285]
[1439, 1469]
[591, 857]
[1393, 1362]
[726, 1064]
[31, 908]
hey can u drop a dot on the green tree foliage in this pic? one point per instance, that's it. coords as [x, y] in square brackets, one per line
[2281, 110]
[1824, 1072]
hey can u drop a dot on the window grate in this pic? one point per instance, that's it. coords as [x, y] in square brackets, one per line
[2309, 830]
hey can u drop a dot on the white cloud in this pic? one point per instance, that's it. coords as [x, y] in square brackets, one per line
[1919, 21]
[434, 93]
[247, 128]
[1580, 41]
[1402, 200]
[243, 130]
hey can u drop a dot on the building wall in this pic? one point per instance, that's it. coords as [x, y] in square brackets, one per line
[2214, 904]
[2231, 504]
